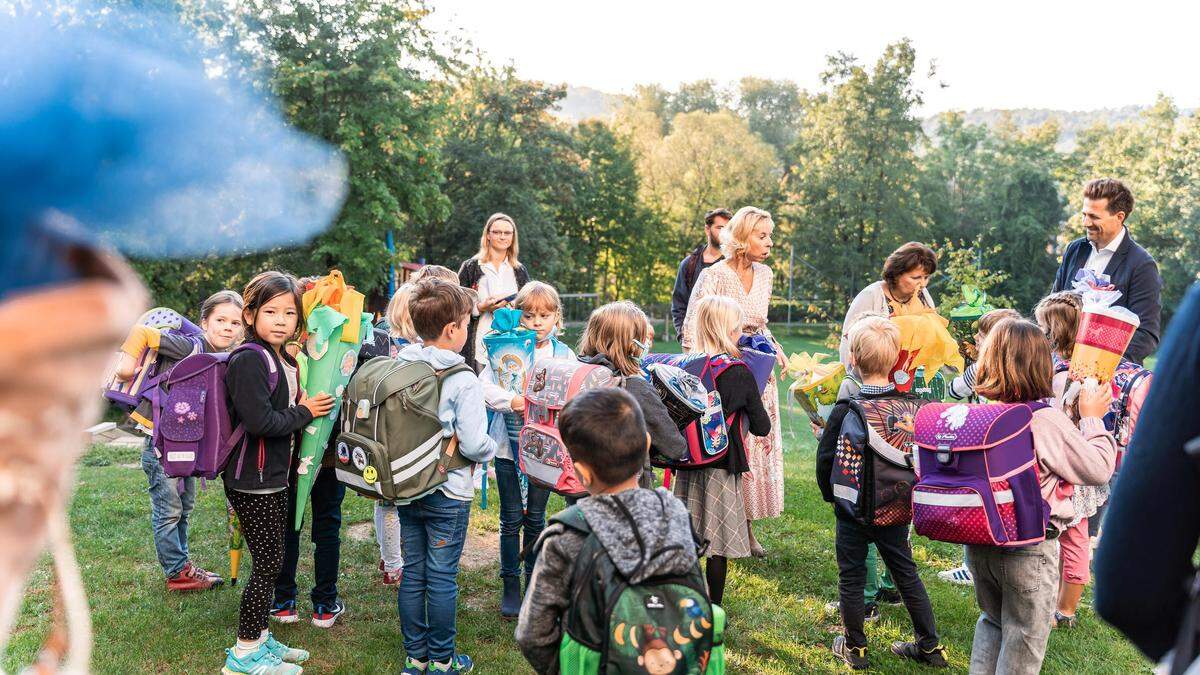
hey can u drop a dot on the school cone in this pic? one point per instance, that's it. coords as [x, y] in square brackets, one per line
[235, 542]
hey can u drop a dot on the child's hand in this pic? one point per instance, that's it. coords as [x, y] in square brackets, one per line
[319, 405]
[518, 403]
[816, 429]
[1094, 401]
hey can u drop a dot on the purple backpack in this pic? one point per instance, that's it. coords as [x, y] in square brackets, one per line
[192, 433]
[977, 476]
[128, 394]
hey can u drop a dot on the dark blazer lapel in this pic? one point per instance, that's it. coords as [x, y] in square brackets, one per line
[1118, 258]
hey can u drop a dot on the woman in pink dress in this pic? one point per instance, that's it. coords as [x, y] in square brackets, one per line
[746, 243]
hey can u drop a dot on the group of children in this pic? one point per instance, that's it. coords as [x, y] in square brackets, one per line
[609, 433]
[1078, 431]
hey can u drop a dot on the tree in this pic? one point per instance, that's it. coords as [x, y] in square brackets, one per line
[852, 187]
[773, 109]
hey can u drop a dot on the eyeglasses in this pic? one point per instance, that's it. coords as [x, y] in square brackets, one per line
[502, 233]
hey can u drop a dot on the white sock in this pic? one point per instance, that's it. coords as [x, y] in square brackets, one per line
[245, 648]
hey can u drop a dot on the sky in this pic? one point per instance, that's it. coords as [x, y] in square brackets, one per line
[1058, 54]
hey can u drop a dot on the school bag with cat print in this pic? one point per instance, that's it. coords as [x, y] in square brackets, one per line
[977, 475]
[193, 432]
[552, 384]
[708, 437]
[391, 444]
[872, 476]
[662, 625]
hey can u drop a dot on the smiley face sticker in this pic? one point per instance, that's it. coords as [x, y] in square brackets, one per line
[370, 475]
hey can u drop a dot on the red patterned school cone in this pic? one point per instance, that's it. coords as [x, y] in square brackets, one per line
[1104, 333]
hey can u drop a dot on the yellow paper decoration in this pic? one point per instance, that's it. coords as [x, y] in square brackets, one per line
[926, 335]
[331, 290]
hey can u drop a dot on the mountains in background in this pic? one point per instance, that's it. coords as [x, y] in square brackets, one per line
[582, 103]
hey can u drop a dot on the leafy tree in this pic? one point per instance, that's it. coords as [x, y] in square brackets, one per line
[851, 189]
[773, 109]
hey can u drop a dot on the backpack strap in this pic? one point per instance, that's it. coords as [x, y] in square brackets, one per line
[238, 436]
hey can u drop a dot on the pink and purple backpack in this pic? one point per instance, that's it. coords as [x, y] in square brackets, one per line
[192, 421]
[977, 475]
[708, 437]
[542, 455]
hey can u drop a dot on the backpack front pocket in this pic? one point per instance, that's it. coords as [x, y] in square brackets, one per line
[953, 514]
[544, 458]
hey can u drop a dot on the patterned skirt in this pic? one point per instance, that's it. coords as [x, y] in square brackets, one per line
[714, 498]
[762, 488]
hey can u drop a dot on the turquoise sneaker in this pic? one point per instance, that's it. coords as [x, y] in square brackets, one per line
[261, 662]
[285, 653]
[461, 663]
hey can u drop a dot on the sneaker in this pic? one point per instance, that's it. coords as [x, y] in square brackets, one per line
[324, 616]
[935, 658]
[413, 667]
[870, 614]
[285, 612]
[390, 578]
[211, 575]
[855, 657]
[1063, 621]
[461, 663]
[192, 578]
[959, 576]
[284, 652]
[261, 662]
[888, 596]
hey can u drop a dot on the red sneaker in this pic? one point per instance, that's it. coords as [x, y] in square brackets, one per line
[191, 578]
[393, 578]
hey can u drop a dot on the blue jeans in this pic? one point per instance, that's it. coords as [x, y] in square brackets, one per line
[169, 512]
[327, 495]
[433, 530]
[514, 517]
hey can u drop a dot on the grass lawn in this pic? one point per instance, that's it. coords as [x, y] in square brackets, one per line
[777, 620]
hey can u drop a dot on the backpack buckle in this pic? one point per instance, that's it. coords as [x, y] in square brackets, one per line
[943, 454]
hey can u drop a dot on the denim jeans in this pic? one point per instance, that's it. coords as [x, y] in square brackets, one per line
[433, 530]
[327, 495]
[169, 512]
[892, 543]
[1017, 591]
[514, 518]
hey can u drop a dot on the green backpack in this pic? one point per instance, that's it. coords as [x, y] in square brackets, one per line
[663, 625]
[391, 445]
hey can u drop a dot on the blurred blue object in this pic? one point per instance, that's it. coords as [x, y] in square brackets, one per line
[132, 139]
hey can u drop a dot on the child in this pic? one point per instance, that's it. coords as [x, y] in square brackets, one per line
[616, 337]
[647, 533]
[874, 347]
[435, 272]
[170, 506]
[963, 388]
[1016, 588]
[433, 527]
[714, 494]
[541, 312]
[1058, 316]
[327, 496]
[256, 478]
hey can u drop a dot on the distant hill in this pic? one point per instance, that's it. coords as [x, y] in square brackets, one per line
[583, 103]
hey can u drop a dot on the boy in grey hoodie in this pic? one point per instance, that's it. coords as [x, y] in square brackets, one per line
[646, 533]
[433, 526]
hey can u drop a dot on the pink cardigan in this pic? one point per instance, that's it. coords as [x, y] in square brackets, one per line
[1067, 457]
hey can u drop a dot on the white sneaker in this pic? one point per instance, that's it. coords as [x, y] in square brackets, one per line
[959, 576]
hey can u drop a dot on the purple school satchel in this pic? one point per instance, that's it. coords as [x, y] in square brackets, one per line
[977, 475]
[759, 355]
[192, 428]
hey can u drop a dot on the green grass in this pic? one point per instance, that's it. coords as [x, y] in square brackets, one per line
[777, 621]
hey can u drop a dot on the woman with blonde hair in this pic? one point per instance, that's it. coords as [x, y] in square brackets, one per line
[495, 274]
[714, 494]
[742, 277]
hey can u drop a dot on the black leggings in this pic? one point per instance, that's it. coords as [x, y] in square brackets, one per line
[263, 519]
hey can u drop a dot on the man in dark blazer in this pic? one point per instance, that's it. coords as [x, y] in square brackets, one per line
[1108, 248]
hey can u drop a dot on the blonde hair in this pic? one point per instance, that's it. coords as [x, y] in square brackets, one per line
[611, 330]
[1058, 317]
[874, 345]
[735, 237]
[716, 317]
[513, 251]
[1015, 364]
[399, 321]
[434, 272]
[540, 294]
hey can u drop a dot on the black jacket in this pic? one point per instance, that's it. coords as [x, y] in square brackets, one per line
[469, 274]
[827, 444]
[739, 393]
[685, 280]
[268, 417]
[1133, 272]
[1144, 561]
